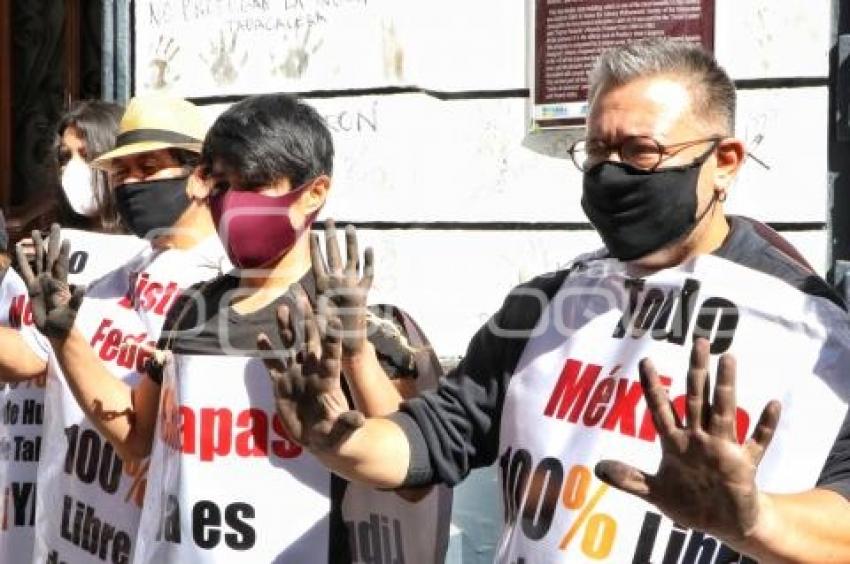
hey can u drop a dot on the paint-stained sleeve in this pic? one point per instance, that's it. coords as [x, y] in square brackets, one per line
[455, 428]
[402, 348]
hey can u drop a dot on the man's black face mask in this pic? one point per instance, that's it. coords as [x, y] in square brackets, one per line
[636, 211]
[151, 206]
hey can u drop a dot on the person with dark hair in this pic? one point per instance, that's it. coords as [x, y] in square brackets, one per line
[204, 407]
[87, 213]
[161, 198]
[87, 130]
[554, 387]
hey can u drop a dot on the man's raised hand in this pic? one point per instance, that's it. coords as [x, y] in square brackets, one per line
[706, 480]
[343, 285]
[305, 376]
[54, 302]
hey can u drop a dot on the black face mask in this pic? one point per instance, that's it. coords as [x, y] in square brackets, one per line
[154, 205]
[637, 211]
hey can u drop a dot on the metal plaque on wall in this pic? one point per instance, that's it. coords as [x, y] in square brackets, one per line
[570, 34]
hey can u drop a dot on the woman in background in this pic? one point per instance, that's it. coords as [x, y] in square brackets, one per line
[88, 129]
[88, 215]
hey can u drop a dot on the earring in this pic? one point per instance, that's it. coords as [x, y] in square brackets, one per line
[722, 196]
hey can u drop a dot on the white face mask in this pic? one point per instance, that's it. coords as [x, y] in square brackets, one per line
[77, 185]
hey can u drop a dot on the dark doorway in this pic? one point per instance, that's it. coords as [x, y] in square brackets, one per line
[50, 54]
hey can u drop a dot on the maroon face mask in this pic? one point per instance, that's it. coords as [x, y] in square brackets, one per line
[256, 230]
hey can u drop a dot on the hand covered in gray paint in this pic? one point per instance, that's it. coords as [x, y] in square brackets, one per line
[342, 285]
[706, 479]
[54, 302]
[306, 376]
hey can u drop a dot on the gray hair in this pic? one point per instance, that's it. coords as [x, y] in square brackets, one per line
[712, 91]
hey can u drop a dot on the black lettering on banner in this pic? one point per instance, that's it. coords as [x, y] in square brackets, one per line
[169, 520]
[206, 518]
[33, 413]
[700, 549]
[515, 473]
[18, 505]
[634, 286]
[549, 486]
[372, 542]
[681, 321]
[369, 534]
[26, 450]
[537, 516]
[207, 525]
[53, 558]
[88, 457]
[82, 527]
[656, 311]
[646, 538]
[708, 314]
[77, 261]
[10, 413]
[648, 312]
[245, 537]
[675, 544]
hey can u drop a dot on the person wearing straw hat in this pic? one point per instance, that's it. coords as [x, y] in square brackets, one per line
[158, 144]
[159, 195]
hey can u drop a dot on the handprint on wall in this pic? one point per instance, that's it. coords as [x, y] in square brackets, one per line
[221, 59]
[162, 73]
[297, 58]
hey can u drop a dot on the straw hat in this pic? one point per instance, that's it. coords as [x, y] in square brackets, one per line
[153, 122]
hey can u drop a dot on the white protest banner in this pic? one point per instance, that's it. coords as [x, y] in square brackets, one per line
[98, 495]
[21, 418]
[575, 399]
[88, 499]
[226, 483]
[93, 254]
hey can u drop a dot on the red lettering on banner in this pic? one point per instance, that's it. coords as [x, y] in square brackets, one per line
[20, 311]
[626, 398]
[284, 446]
[253, 441]
[213, 432]
[612, 403]
[213, 442]
[111, 344]
[150, 295]
[572, 392]
[170, 291]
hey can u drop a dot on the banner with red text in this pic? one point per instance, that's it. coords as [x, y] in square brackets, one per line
[21, 418]
[575, 399]
[226, 483]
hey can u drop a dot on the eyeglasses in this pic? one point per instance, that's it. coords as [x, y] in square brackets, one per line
[640, 151]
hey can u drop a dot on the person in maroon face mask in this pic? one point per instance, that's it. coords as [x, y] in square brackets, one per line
[266, 164]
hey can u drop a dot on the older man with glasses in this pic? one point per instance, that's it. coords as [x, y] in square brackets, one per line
[558, 383]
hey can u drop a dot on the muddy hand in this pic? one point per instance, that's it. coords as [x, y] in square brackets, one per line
[706, 479]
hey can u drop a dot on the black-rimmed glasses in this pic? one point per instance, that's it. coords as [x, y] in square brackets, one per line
[640, 151]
